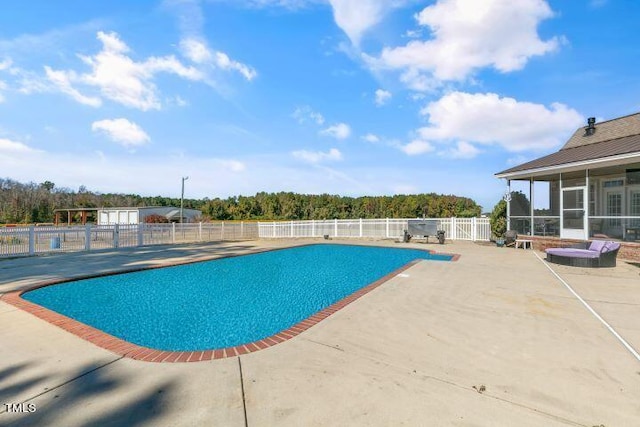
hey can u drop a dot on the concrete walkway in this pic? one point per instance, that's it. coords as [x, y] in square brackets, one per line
[494, 339]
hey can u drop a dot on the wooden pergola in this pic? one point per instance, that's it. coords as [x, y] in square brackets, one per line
[84, 214]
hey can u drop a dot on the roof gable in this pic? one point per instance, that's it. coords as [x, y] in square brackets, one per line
[584, 153]
[611, 138]
[605, 131]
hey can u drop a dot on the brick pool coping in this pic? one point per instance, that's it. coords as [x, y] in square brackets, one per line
[146, 354]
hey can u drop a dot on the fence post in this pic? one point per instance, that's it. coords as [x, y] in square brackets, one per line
[454, 234]
[335, 227]
[200, 231]
[173, 232]
[360, 227]
[313, 228]
[141, 234]
[87, 237]
[274, 229]
[242, 229]
[222, 231]
[32, 239]
[291, 233]
[116, 235]
[474, 231]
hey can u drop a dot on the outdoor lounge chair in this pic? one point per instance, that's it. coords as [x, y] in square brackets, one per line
[597, 253]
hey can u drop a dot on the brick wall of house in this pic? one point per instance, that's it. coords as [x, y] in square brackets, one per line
[628, 251]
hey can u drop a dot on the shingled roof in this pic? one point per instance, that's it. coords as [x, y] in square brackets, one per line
[605, 131]
[611, 138]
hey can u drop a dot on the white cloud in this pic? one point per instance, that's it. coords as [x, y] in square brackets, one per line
[179, 101]
[462, 150]
[122, 131]
[370, 137]
[337, 131]
[8, 146]
[233, 165]
[5, 64]
[413, 34]
[62, 81]
[193, 44]
[156, 173]
[382, 96]
[469, 35]
[28, 82]
[416, 147]
[118, 77]
[318, 156]
[355, 17]
[486, 118]
[517, 160]
[197, 51]
[223, 61]
[304, 113]
[415, 80]
[153, 174]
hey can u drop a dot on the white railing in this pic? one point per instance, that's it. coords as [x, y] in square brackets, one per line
[455, 228]
[30, 240]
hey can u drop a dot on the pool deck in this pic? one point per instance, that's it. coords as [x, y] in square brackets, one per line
[494, 339]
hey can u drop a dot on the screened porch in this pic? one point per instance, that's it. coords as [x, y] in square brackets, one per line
[580, 204]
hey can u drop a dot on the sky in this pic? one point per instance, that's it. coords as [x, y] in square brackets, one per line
[348, 97]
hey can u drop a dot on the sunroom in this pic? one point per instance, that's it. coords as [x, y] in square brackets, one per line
[590, 188]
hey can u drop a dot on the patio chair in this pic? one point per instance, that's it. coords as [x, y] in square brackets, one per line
[510, 237]
[596, 253]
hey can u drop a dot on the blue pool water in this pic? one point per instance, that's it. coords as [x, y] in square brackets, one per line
[224, 302]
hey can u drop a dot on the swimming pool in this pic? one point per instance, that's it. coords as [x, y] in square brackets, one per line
[223, 302]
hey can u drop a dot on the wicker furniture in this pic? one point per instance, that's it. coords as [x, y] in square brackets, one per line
[596, 253]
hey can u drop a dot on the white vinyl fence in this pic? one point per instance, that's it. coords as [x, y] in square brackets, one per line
[455, 228]
[30, 240]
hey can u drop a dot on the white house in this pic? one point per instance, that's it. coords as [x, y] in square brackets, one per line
[590, 188]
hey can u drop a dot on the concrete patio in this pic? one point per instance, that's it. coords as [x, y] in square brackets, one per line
[494, 339]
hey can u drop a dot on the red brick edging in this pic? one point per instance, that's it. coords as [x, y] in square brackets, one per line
[134, 351]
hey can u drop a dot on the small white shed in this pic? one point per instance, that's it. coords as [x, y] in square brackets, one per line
[125, 215]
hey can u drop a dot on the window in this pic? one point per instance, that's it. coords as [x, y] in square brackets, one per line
[614, 183]
[634, 207]
[614, 208]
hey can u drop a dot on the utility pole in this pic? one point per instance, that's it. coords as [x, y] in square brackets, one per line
[184, 178]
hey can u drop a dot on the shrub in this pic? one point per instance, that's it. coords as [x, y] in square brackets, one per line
[498, 220]
[155, 219]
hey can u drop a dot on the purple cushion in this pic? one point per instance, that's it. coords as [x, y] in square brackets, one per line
[597, 245]
[610, 246]
[573, 253]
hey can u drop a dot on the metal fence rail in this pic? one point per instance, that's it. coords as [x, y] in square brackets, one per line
[30, 240]
[473, 229]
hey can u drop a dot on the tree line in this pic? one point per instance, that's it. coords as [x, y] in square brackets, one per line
[36, 202]
[292, 206]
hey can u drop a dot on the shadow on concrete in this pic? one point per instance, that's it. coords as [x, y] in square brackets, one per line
[75, 264]
[91, 398]
[10, 387]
